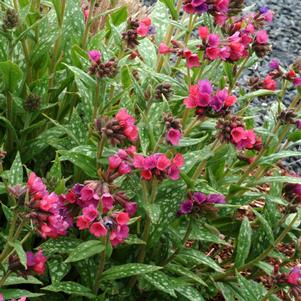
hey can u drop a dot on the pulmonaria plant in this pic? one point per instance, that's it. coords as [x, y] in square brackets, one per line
[144, 153]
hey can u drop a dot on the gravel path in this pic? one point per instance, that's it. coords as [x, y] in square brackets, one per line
[285, 37]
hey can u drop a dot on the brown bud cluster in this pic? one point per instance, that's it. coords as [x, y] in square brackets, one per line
[110, 128]
[10, 20]
[107, 69]
[287, 116]
[261, 49]
[164, 89]
[171, 121]
[131, 38]
[32, 103]
[226, 125]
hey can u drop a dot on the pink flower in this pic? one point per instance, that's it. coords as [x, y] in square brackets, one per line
[83, 222]
[297, 81]
[50, 202]
[213, 40]
[262, 37]
[173, 173]
[122, 218]
[118, 235]
[128, 123]
[203, 32]
[230, 101]
[130, 208]
[238, 134]
[146, 175]
[139, 161]
[212, 53]
[114, 161]
[204, 100]
[173, 136]
[124, 168]
[94, 56]
[107, 201]
[269, 83]
[36, 185]
[162, 163]
[90, 212]
[1, 297]
[98, 229]
[294, 277]
[193, 61]
[144, 27]
[164, 49]
[178, 160]
[36, 262]
[87, 194]
[248, 140]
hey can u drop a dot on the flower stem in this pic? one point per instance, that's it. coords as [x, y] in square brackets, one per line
[101, 265]
[88, 24]
[177, 251]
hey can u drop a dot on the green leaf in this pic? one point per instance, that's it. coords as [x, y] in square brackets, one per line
[265, 226]
[16, 172]
[71, 288]
[186, 273]
[20, 252]
[14, 280]
[277, 179]
[119, 16]
[227, 291]
[268, 160]
[243, 242]
[128, 270]
[189, 293]
[258, 93]
[250, 291]
[85, 250]
[55, 170]
[161, 281]
[197, 257]
[11, 75]
[61, 245]
[134, 240]
[57, 269]
[15, 293]
[170, 4]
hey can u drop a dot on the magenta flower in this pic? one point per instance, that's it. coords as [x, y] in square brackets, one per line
[36, 185]
[130, 208]
[36, 262]
[164, 49]
[98, 229]
[83, 222]
[144, 27]
[173, 136]
[127, 122]
[269, 83]
[216, 199]
[90, 213]
[213, 40]
[94, 56]
[298, 124]
[203, 32]
[193, 61]
[122, 218]
[274, 64]
[107, 201]
[297, 81]
[238, 134]
[262, 37]
[294, 277]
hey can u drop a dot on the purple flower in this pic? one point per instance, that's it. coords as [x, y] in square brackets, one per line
[94, 56]
[216, 198]
[216, 103]
[185, 207]
[298, 124]
[199, 197]
[205, 86]
[274, 64]
[297, 81]
[263, 9]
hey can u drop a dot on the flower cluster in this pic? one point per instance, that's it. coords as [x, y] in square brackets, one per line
[198, 201]
[35, 263]
[204, 101]
[99, 69]
[218, 8]
[232, 130]
[119, 129]
[159, 166]
[48, 212]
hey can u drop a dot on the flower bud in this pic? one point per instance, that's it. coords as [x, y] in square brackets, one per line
[32, 103]
[10, 20]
